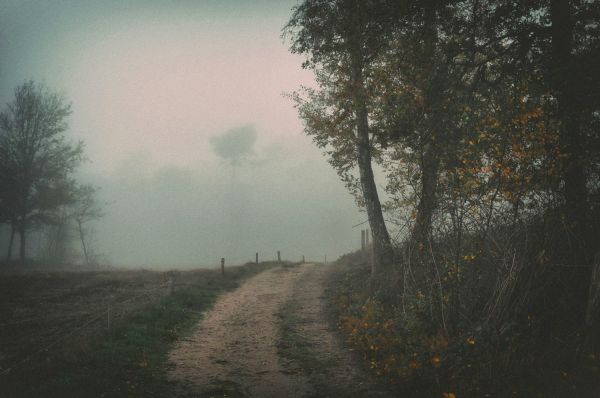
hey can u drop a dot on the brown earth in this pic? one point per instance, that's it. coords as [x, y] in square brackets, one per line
[235, 350]
[42, 311]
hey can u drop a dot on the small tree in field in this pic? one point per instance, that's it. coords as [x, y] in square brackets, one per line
[85, 209]
[36, 160]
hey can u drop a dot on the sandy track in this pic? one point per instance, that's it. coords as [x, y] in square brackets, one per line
[233, 352]
[341, 377]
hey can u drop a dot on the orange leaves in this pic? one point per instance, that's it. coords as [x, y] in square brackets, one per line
[385, 348]
[527, 117]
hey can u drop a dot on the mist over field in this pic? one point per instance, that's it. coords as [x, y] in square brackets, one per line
[195, 150]
[149, 149]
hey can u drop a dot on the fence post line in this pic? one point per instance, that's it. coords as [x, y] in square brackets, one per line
[303, 260]
[257, 258]
[222, 266]
[278, 256]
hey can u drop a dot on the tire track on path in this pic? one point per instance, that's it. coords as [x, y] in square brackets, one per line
[233, 352]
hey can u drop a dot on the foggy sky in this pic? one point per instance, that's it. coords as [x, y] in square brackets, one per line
[197, 153]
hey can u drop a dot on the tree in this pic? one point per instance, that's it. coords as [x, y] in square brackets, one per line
[36, 160]
[7, 209]
[85, 209]
[341, 39]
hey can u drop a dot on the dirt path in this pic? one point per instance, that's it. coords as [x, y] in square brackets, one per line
[234, 351]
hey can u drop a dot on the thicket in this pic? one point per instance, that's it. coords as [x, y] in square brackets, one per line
[483, 119]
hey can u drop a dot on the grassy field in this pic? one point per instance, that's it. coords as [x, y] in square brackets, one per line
[57, 340]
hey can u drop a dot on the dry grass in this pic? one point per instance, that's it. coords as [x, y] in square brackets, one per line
[42, 314]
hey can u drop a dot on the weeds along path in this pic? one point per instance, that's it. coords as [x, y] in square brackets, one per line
[233, 351]
[311, 343]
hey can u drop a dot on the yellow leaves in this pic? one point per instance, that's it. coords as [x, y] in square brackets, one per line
[471, 340]
[492, 123]
[436, 360]
[448, 395]
[469, 257]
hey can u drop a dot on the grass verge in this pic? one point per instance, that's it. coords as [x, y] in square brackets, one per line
[300, 355]
[131, 359]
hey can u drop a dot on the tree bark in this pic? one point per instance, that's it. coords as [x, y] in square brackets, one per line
[82, 237]
[571, 139]
[382, 247]
[10, 242]
[430, 157]
[22, 242]
[592, 312]
[429, 169]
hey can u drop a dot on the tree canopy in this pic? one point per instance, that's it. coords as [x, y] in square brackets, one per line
[36, 159]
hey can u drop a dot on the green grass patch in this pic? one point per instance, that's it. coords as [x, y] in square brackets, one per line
[299, 351]
[130, 360]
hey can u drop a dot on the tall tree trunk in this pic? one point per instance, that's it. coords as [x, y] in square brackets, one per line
[430, 157]
[592, 312]
[81, 236]
[382, 247]
[429, 169]
[10, 241]
[571, 138]
[22, 242]
[383, 252]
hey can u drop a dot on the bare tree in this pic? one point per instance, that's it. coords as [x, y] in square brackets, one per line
[36, 160]
[85, 209]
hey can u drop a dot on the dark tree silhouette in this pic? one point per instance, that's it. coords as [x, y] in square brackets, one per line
[36, 160]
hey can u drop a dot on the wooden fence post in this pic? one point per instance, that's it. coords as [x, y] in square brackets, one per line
[256, 258]
[303, 260]
[278, 256]
[222, 266]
